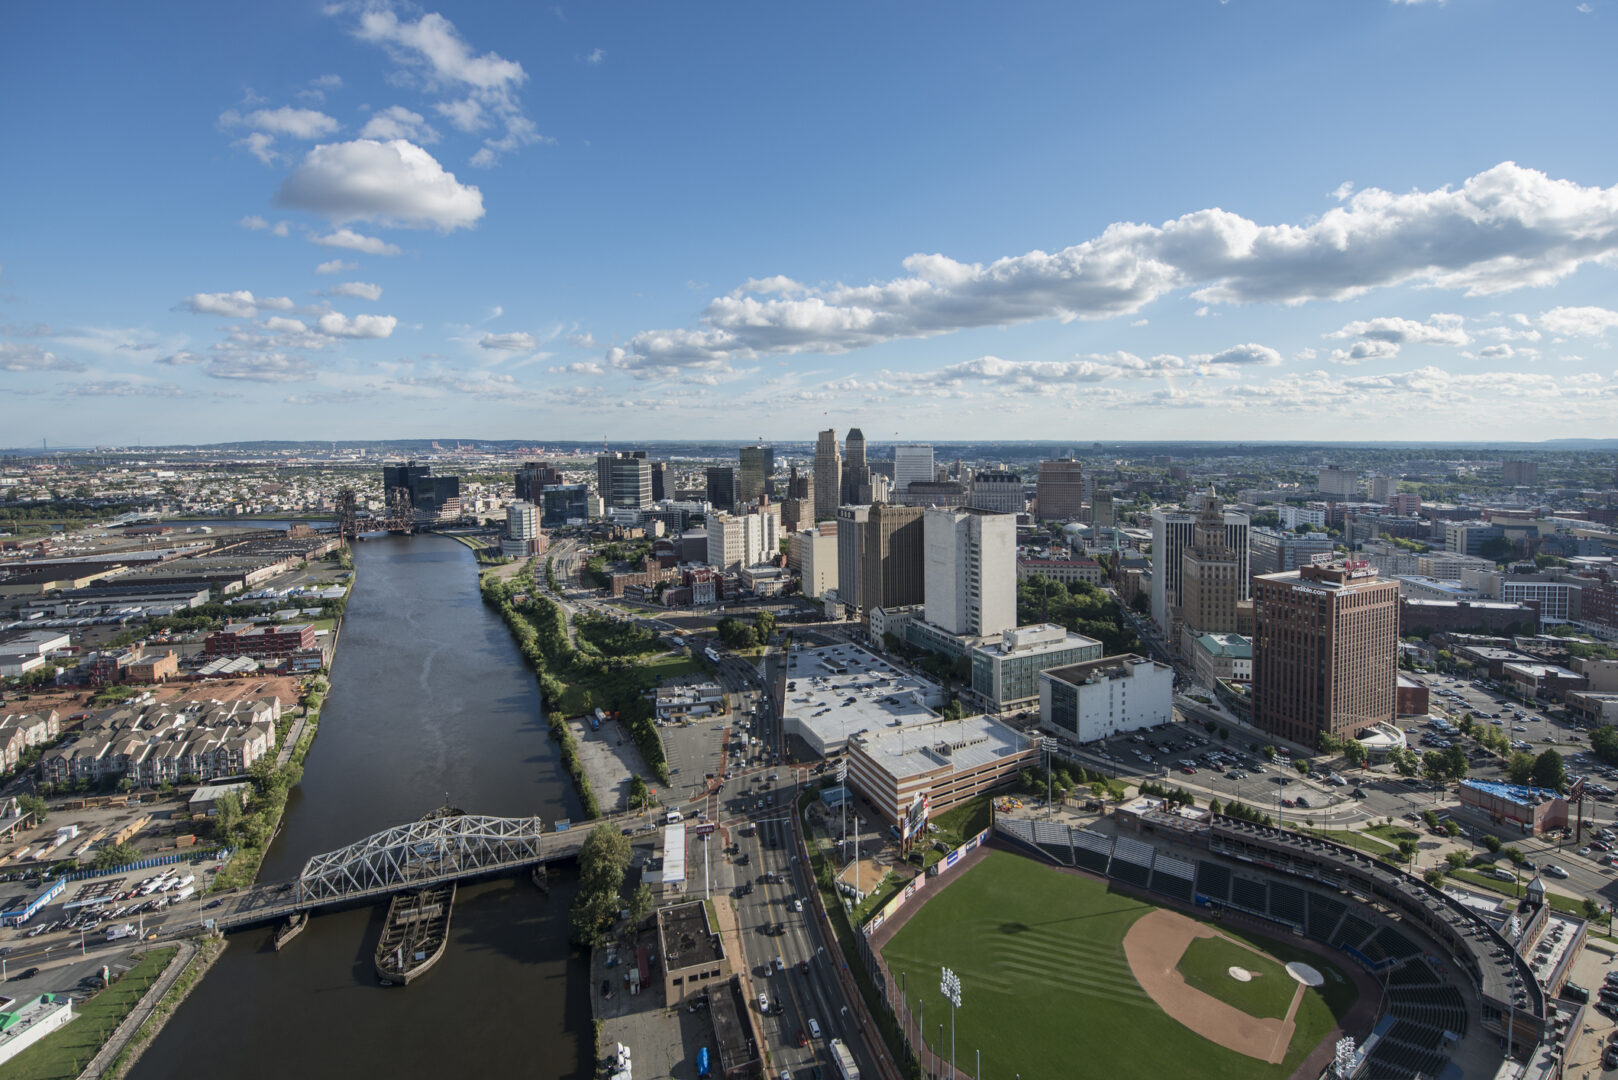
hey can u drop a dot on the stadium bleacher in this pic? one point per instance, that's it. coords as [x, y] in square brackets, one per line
[1324, 914]
[1287, 903]
[1247, 893]
[1213, 880]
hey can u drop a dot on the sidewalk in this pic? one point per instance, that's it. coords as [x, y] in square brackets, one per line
[140, 1013]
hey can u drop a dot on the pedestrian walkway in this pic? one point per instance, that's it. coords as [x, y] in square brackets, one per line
[291, 743]
[139, 1014]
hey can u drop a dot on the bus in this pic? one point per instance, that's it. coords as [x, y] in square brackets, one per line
[844, 1061]
[713, 657]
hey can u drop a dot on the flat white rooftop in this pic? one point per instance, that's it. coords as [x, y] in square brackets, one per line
[841, 690]
[964, 744]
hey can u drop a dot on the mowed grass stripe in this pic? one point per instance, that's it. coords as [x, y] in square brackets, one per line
[1046, 989]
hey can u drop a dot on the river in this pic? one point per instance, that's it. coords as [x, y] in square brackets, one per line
[429, 698]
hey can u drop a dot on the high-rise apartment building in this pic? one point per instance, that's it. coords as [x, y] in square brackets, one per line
[970, 577]
[1343, 483]
[1519, 473]
[522, 537]
[828, 475]
[911, 462]
[1059, 490]
[856, 473]
[1384, 488]
[997, 491]
[1272, 552]
[1211, 576]
[1102, 515]
[624, 479]
[851, 522]
[754, 479]
[1172, 533]
[721, 488]
[894, 559]
[660, 481]
[1325, 651]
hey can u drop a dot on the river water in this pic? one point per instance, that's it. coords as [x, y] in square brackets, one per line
[429, 698]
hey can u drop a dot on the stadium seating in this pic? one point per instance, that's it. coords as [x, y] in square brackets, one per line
[1324, 914]
[1213, 880]
[1247, 893]
[1287, 904]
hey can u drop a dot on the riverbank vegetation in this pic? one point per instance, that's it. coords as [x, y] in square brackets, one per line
[249, 830]
[603, 863]
[602, 669]
[208, 950]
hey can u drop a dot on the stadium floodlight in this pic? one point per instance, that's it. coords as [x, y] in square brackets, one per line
[950, 987]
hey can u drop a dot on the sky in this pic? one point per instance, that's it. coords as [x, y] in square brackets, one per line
[1371, 220]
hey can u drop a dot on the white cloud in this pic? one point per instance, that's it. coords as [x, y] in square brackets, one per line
[596, 56]
[296, 123]
[515, 342]
[335, 266]
[466, 114]
[260, 367]
[1506, 228]
[260, 145]
[240, 304]
[1578, 321]
[1243, 355]
[392, 183]
[180, 359]
[253, 221]
[585, 340]
[398, 122]
[122, 388]
[320, 86]
[336, 324]
[353, 241]
[1361, 351]
[582, 367]
[360, 290]
[26, 357]
[282, 325]
[1437, 330]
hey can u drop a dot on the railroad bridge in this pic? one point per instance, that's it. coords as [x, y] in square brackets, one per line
[433, 851]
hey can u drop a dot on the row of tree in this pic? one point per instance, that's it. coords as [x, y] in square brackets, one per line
[603, 865]
[1080, 607]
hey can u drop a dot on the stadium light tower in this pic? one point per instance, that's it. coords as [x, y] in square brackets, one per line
[950, 987]
[1048, 745]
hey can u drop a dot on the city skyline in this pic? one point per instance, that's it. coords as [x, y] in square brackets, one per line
[374, 221]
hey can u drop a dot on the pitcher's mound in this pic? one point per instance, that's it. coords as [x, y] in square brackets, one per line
[1305, 974]
[1240, 974]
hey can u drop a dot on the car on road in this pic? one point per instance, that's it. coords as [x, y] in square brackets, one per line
[764, 1003]
[1500, 873]
[26, 973]
[1188, 770]
[1555, 871]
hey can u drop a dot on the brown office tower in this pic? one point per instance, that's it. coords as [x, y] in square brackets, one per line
[1210, 574]
[1325, 651]
[1059, 490]
[894, 554]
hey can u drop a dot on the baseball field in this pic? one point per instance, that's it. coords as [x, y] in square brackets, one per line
[1060, 974]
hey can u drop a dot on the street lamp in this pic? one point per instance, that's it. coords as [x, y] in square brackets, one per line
[950, 987]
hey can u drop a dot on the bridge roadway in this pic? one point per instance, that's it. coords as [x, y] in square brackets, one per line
[397, 863]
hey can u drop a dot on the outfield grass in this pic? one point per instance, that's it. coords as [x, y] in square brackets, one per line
[1206, 965]
[62, 1055]
[1046, 985]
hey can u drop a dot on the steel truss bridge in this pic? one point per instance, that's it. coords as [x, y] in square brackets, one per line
[433, 851]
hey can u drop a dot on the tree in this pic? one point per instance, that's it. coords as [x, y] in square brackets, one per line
[764, 625]
[1302, 765]
[1407, 849]
[1549, 772]
[1142, 603]
[227, 816]
[1430, 818]
[33, 804]
[113, 857]
[1224, 733]
[1456, 764]
[1492, 843]
[1435, 877]
[1432, 765]
[1456, 859]
[1520, 768]
[1515, 854]
[1355, 752]
[1604, 742]
[1213, 806]
[1592, 910]
[1210, 726]
[640, 796]
[1269, 753]
[641, 904]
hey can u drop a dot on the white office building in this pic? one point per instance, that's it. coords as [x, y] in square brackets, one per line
[1102, 698]
[739, 540]
[1293, 516]
[24, 1023]
[522, 530]
[1172, 533]
[970, 577]
[813, 554]
[911, 463]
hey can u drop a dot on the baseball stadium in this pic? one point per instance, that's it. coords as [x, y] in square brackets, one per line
[1197, 945]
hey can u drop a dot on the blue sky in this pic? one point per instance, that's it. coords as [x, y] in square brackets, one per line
[1370, 220]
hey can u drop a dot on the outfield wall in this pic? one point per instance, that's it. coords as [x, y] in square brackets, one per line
[920, 882]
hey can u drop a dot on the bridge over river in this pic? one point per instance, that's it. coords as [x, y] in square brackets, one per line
[433, 851]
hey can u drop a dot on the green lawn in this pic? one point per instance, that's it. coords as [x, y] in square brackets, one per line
[1206, 965]
[62, 1055]
[1394, 833]
[1045, 982]
[957, 824]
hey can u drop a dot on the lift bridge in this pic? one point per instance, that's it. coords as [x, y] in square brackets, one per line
[433, 851]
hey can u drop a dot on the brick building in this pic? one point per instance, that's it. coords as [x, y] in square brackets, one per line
[261, 642]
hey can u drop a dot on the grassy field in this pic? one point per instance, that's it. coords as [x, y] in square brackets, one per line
[62, 1055]
[1369, 845]
[1206, 965]
[1010, 924]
